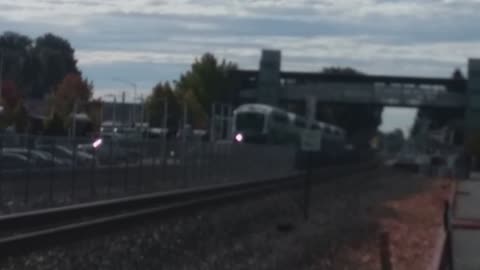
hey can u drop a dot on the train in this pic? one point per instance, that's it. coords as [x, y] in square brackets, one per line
[264, 124]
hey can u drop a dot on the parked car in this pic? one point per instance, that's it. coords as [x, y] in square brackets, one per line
[113, 149]
[13, 161]
[39, 158]
[81, 158]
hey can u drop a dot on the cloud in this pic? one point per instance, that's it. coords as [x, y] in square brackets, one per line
[402, 118]
[111, 57]
[308, 10]
[423, 37]
[306, 53]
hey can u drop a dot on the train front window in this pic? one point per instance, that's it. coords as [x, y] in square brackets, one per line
[250, 122]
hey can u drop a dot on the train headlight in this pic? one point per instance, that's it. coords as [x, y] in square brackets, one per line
[239, 137]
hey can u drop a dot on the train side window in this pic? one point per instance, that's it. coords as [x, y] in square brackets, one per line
[300, 123]
[280, 118]
[328, 130]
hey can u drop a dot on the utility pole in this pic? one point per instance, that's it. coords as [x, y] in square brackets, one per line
[1, 73]
[165, 114]
[212, 123]
[185, 121]
[142, 110]
[74, 115]
[114, 113]
[133, 108]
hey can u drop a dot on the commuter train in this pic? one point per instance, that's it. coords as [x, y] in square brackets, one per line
[264, 124]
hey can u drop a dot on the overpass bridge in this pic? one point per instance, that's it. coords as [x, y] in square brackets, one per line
[352, 89]
[272, 86]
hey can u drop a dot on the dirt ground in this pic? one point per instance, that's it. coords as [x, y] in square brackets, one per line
[347, 216]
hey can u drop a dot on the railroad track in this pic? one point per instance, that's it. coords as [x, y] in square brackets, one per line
[20, 233]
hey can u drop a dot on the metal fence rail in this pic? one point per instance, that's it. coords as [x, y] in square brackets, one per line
[27, 231]
[41, 172]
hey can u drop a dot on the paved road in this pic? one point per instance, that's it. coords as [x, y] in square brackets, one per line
[466, 242]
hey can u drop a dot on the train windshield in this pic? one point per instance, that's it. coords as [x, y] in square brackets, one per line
[250, 122]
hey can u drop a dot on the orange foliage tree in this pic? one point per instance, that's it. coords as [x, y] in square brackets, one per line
[73, 89]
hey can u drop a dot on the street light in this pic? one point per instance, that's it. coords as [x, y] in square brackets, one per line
[114, 116]
[142, 102]
[1, 72]
[132, 84]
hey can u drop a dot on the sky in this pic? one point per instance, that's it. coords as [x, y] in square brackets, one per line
[147, 41]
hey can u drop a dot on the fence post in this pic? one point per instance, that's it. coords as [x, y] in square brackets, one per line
[140, 165]
[127, 168]
[110, 171]
[29, 169]
[308, 186]
[164, 157]
[448, 237]
[385, 255]
[52, 171]
[93, 167]
[1, 168]
[74, 163]
[183, 163]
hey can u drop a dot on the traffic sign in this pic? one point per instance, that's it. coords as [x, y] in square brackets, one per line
[311, 140]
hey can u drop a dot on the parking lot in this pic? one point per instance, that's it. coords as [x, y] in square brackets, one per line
[43, 172]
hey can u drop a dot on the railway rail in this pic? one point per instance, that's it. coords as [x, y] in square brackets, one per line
[33, 230]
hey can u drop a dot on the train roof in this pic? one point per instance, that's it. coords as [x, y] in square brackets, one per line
[256, 107]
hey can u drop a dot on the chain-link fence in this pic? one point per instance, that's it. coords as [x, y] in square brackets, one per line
[39, 172]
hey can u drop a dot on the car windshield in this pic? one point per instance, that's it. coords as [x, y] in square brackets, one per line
[250, 121]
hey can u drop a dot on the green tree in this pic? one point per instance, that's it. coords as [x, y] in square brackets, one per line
[53, 58]
[36, 66]
[341, 71]
[94, 112]
[155, 106]
[14, 112]
[72, 89]
[197, 116]
[209, 81]
[15, 51]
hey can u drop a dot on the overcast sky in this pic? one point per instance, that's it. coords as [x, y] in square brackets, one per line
[146, 41]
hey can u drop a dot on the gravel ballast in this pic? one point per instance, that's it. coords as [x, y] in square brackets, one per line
[265, 233]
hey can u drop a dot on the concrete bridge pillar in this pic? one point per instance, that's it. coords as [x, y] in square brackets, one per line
[472, 114]
[269, 77]
[311, 109]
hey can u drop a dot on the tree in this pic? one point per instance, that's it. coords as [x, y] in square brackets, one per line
[94, 112]
[341, 71]
[15, 51]
[73, 89]
[209, 81]
[155, 106]
[10, 94]
[54, 126]
[36, 66]
[53, 59]
[196, 116]
[14, 112]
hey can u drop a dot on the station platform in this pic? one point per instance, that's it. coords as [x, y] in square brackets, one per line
[465, 224]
